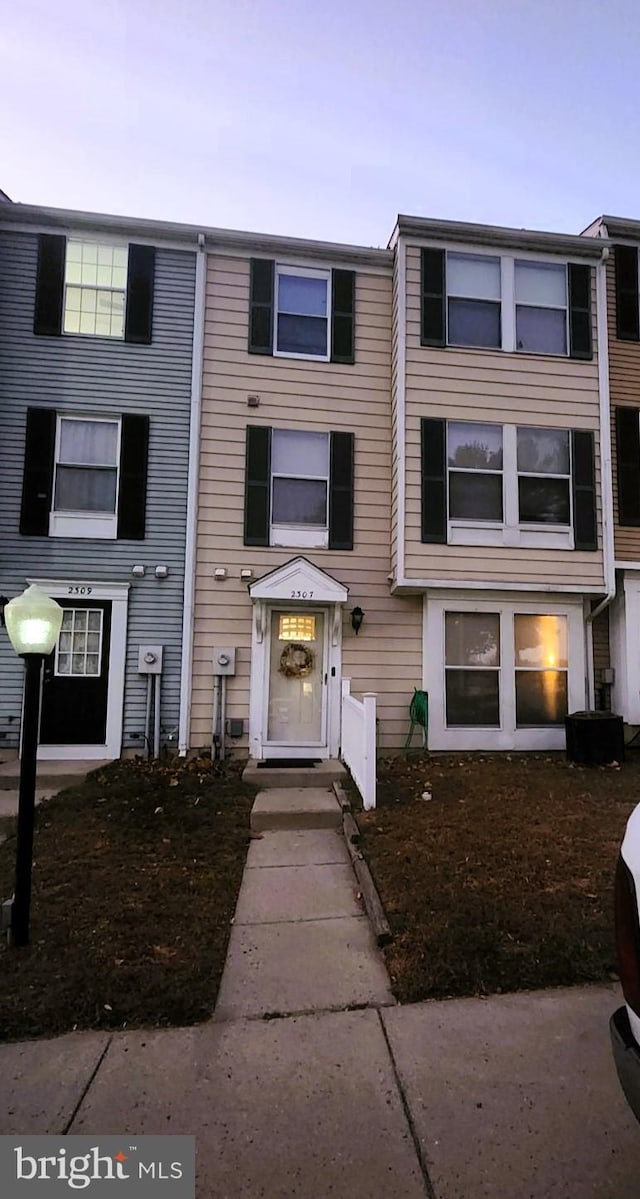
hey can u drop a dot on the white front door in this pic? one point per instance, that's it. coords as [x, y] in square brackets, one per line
[296, 681]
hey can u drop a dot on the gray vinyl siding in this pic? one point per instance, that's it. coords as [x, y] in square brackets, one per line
[100, 376]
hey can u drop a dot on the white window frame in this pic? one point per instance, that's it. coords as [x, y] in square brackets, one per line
[294, 536]
[549, 307]
[302, 273]
[511, 531]
[507, 295]
[112, 244]
[448, 668]
[508, 735]
[458, 345]
[99, 525]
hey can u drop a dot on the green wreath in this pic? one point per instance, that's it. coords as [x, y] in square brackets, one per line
[296, 661]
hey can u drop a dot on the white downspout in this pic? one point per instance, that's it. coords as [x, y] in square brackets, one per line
[606, 466]
[401, 417]
[186, 671]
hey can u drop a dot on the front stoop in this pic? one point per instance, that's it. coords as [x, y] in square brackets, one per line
[295, 808]
[323, 774]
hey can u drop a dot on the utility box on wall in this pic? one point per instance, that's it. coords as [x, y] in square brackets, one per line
[150, 659]
[224, 660]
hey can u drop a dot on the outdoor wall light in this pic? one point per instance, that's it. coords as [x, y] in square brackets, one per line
[357, 617]
[33, 621]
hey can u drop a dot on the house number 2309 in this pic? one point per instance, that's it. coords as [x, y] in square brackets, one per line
[76, 590]
[302, 595]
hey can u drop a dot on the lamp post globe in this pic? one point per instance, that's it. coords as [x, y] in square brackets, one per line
[33, 621]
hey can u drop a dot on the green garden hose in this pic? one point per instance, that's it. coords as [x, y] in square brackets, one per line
[419, 715]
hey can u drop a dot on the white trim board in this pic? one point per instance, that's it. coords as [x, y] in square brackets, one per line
[118, 594]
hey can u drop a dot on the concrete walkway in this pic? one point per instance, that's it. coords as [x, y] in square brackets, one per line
[513, 1097]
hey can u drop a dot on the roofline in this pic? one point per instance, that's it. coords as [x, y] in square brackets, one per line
[620, 226]
[69, 220]
[499, 236]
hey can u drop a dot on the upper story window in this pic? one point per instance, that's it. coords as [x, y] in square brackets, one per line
[473, 301]
[541, 307]
[500, 302]
[301, 312]
[95, 287]
[299, 488]
[491, 484]
[302, 326]
[84, 476]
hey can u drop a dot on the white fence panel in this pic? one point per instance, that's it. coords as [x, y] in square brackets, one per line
[359, 741]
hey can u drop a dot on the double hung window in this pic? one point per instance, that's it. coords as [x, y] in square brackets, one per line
[541, 307]
[302, 312]
[95, 286]
[299, 487]
[473, 301]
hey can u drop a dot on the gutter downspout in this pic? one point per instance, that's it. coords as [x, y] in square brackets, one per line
[606, 466]
[186, 671]
[401, 404]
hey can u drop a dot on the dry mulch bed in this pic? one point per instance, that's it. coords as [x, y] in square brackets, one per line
[135, 882]
[503, 881]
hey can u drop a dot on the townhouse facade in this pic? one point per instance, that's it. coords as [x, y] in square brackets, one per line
[319, 462]
[97, 370]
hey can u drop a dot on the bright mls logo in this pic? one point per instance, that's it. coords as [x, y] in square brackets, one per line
[54, 1166]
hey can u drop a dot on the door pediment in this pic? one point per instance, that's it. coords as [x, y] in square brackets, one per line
[299, 581]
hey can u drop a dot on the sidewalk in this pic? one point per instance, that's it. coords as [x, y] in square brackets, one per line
[291, 1092]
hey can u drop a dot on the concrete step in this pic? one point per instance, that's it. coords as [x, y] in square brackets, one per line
[323, 774]
[53, 776]
[295, 808]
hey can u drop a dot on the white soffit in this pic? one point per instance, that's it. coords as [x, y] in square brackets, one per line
[299, 580]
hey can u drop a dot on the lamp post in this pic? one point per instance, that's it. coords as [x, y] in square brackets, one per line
[33, 622]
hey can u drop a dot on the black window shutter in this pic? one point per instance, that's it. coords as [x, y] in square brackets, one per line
[432, 293]
[257, 486]
[343, 303]
[261, 307]
[627, 315]
[585, 523]
[132, 497]
[434, 481]
[138, 321]
[341, 488]
[37, 478]
[580, 311]
[47, 319]
[628, 455]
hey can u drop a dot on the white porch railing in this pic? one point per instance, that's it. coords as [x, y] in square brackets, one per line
[359, 741]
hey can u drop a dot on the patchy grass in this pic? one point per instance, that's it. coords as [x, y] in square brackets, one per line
[136, 876]
[503, 881]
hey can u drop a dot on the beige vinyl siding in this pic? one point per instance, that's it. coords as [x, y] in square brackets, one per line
[386, 657]
[488, 385]
[624, 387]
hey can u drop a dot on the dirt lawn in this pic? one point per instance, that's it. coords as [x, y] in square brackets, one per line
[503, 880]
[135, 881]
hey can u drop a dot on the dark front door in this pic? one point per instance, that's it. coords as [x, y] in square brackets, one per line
[76, 677]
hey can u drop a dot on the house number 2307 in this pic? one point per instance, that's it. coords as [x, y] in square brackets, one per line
[302, 595]
[76, 590]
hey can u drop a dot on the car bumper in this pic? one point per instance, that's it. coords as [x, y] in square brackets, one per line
[626, 1053]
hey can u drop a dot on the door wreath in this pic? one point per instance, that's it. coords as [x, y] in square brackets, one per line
[296, 661]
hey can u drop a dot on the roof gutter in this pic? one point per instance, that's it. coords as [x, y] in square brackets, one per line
[568, 244]
[188, 614]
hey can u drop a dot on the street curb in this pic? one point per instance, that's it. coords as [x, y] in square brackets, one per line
[372, 901]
